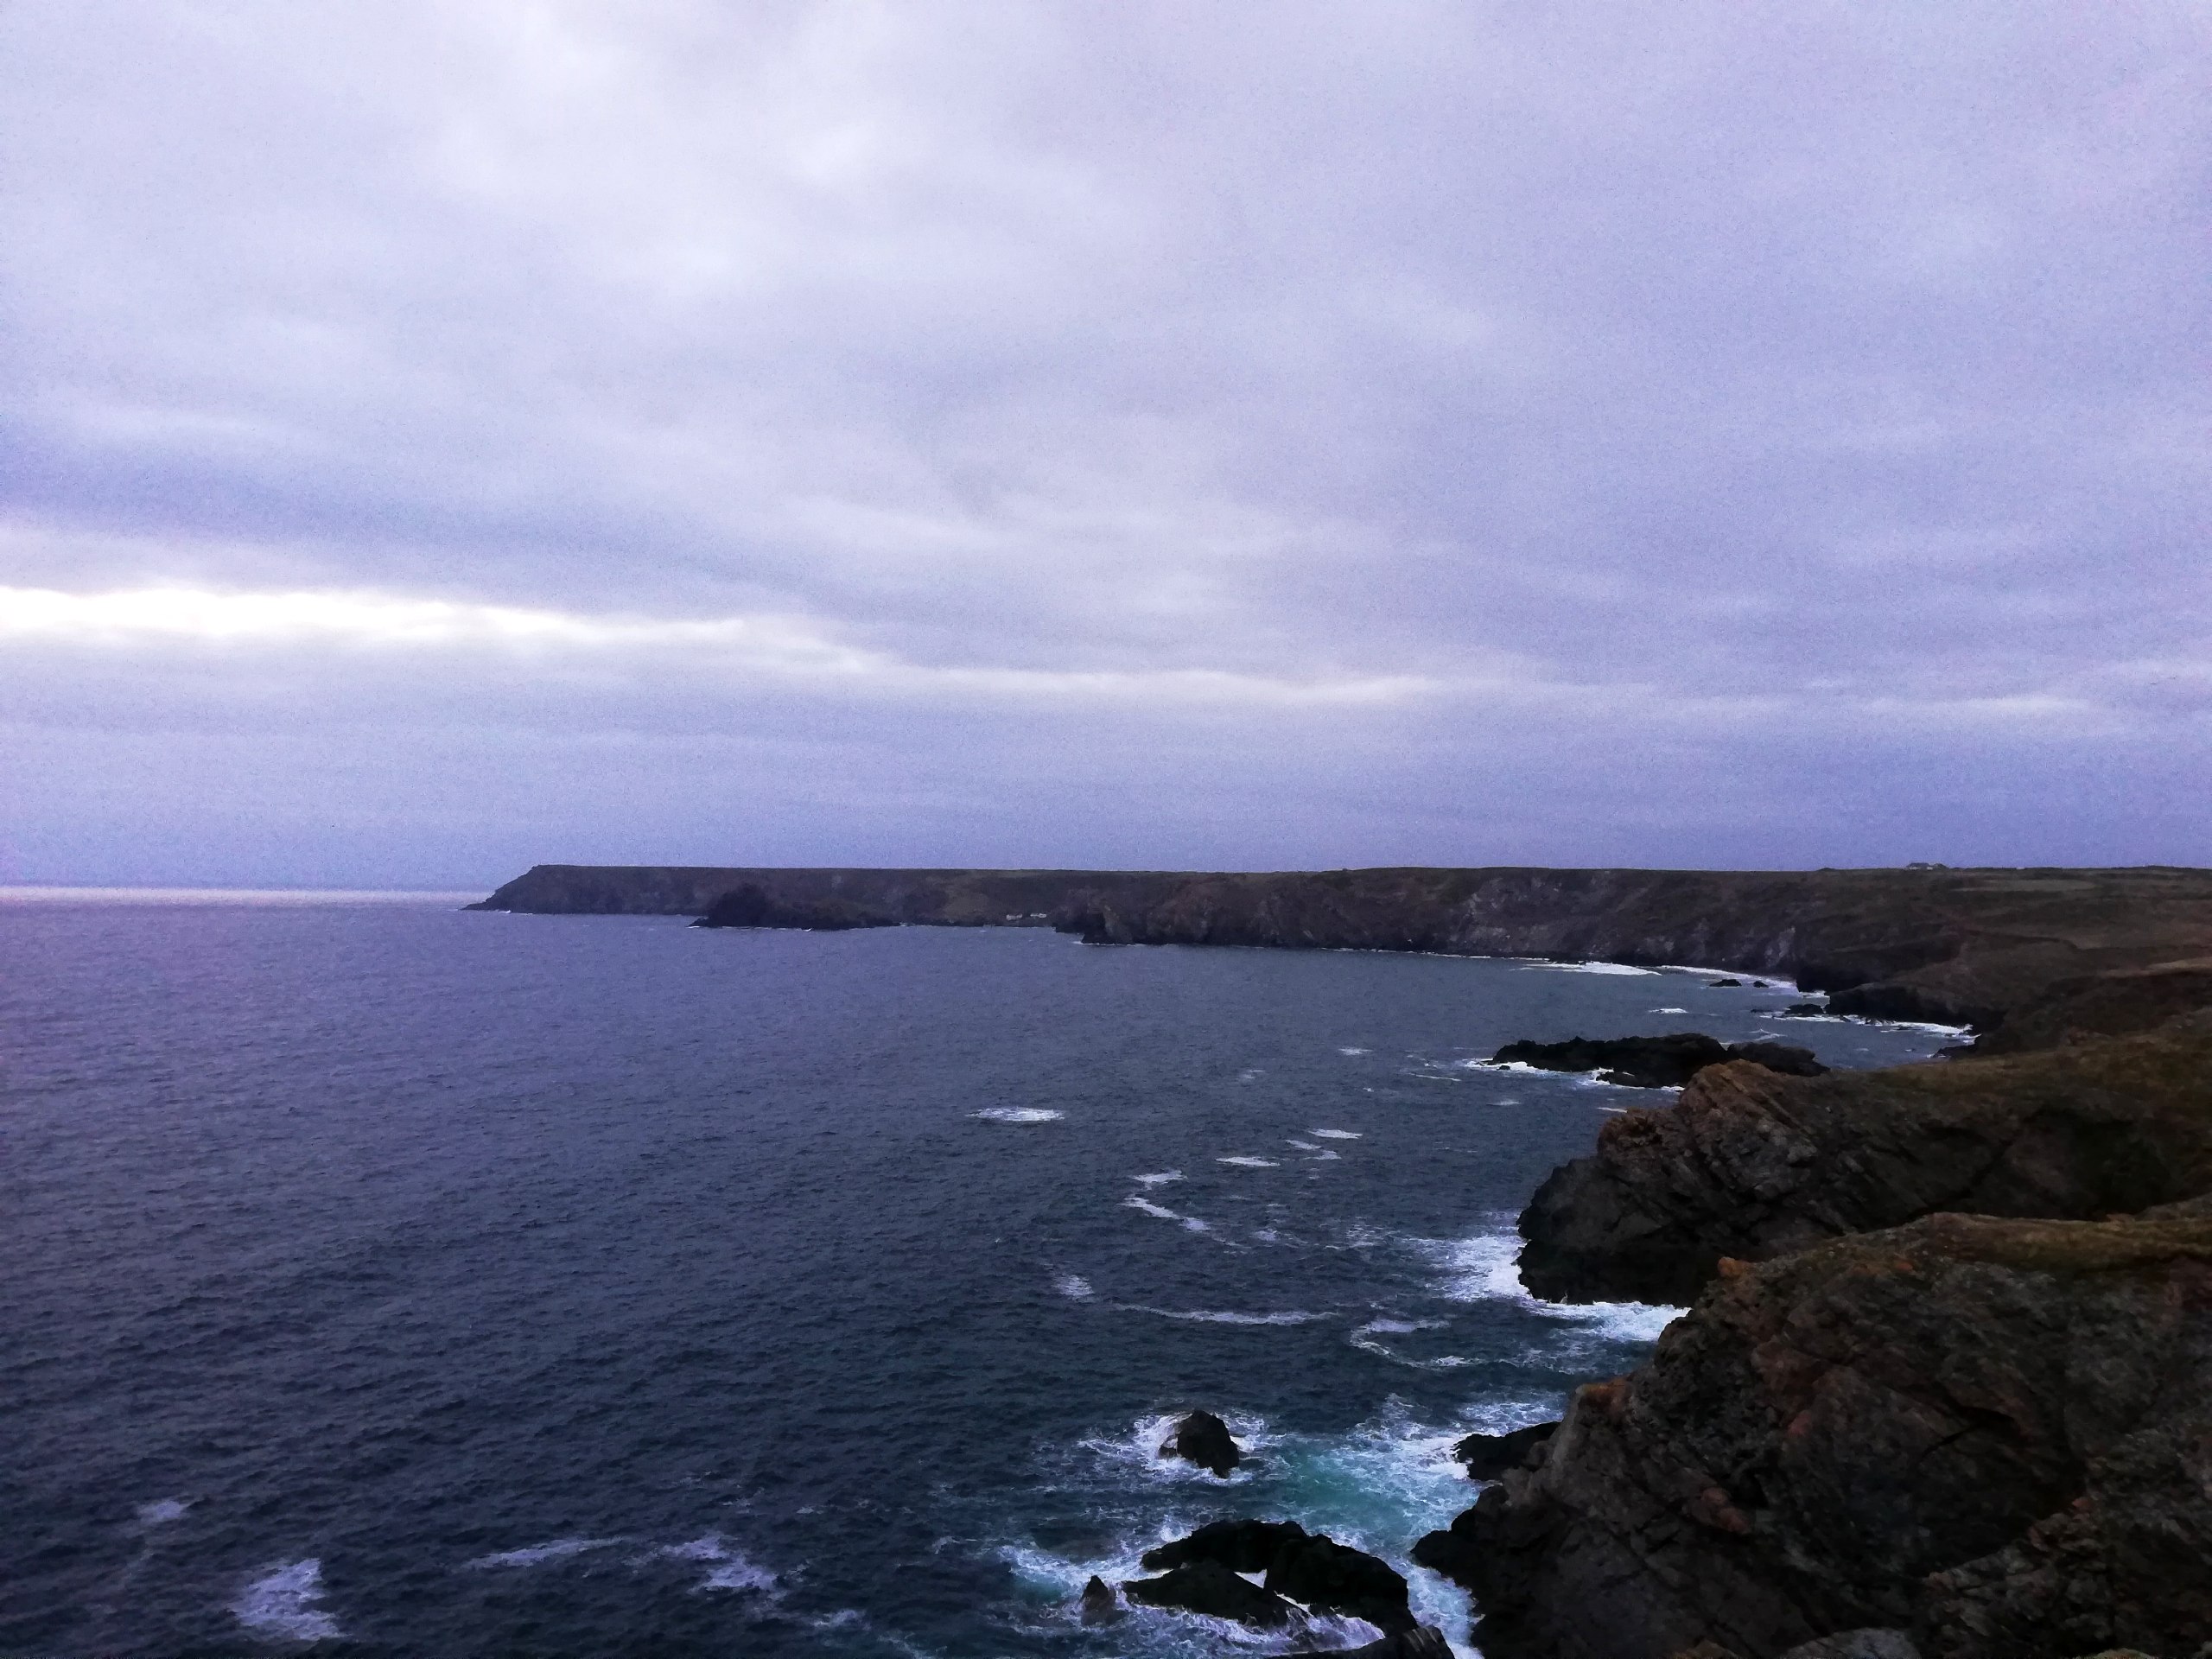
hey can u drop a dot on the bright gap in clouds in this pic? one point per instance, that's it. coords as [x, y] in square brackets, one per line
[763, 645]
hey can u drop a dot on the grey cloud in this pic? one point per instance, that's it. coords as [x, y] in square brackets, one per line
[1776, 394]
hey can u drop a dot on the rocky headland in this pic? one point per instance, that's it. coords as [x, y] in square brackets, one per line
[1992, 1438]
[1944, 1389]
[1965, 947]
[1752, 1164]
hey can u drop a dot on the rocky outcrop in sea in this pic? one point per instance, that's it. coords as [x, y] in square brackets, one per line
[1991, 1437]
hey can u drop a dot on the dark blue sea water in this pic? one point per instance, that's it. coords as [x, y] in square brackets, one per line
[404, 1281]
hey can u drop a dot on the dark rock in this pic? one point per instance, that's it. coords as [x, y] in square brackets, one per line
[1203, 1439]
[754, 906]
[1209, 1587]
[1723, 984]
[1751, 1164]
[1995, 1435]
[1309, 1568]
[2110, 1004]
[1240, 1546]
[1785, 1058]
[1806, 1010]
[1655, 1062]
[1857, 1644]
[1333, 1578]
[1100, 1605]
[1489, 1456]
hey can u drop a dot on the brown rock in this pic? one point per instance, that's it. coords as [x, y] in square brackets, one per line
[1995, 1435]
[1750, 1165]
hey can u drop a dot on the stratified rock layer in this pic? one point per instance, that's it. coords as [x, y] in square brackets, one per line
[1994, 1434]
[1749, 1164]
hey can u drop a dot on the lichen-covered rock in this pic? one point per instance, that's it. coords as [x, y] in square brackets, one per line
[1994, 1434]
[1751, 1165]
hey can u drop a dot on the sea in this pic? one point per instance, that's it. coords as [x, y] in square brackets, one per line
[385, 1279]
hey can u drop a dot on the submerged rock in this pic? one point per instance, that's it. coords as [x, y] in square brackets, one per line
[1203, 1439]
[1751, 1164]
[1209, 1587]
[1488, 1456]
[1655, 1062]
[1993, 1435]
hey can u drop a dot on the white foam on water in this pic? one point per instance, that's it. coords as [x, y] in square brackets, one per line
[162, 1511]
[1019, 1115]
[1670, 1010]
[1620, 968]
[1137, 1452]
[1326, 1157]
[1484, 1270]
[1207, 1317]
[1160, 1179]
[537, 1555]
[284, 1604]
[1250, 1074]
[1244, 1161]
[1074, 1286]
[727, 1568]
[1303, 1146]
[1191, 1224]
[1337, 1134]
[1351, 1051]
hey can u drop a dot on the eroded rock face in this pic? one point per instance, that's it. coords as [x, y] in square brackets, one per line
[1655, 1062]
[1751, 1164]
[1203, 1439]
[1995, 1435]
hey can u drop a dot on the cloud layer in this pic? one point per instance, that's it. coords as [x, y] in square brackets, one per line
[448, 436]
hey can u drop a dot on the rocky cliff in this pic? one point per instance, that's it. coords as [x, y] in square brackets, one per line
[1751, 1164]
[1994, 1435]
[1963, 946]
[940, 898]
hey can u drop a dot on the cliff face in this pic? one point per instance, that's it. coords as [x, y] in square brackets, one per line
[1751, 1164]
[1963, 946]
[1995, 1434]
[942, 898]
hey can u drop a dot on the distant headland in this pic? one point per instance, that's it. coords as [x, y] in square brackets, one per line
[2106, 949]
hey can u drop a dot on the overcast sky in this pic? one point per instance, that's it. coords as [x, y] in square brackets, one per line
[438, 438]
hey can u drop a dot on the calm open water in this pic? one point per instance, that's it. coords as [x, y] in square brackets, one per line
[402, 1281]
